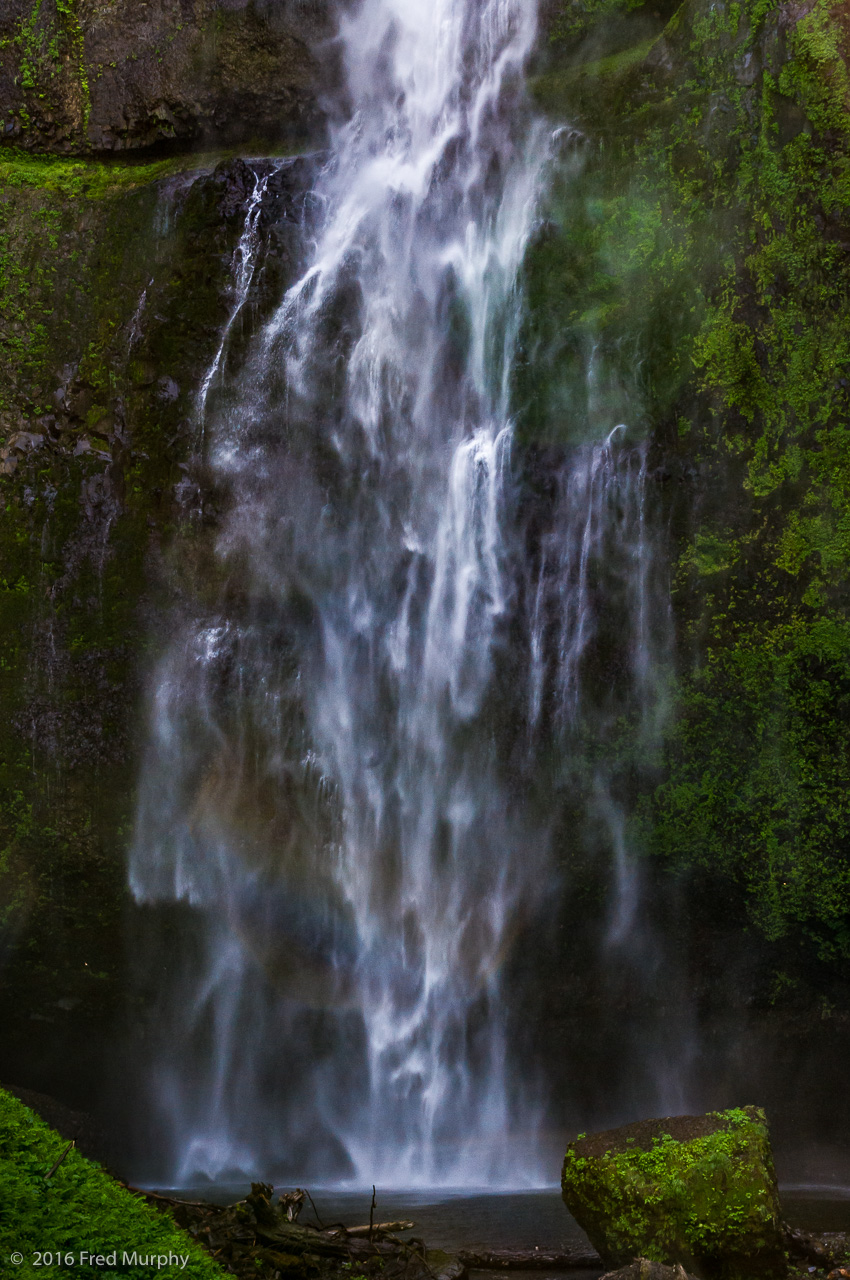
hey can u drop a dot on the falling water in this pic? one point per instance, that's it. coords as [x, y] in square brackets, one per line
[328, 785]
[243, 267]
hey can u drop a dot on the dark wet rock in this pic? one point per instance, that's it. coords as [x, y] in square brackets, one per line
[810, 1247]
[116, 77]
[699, 1191]
[96, 438]
[645, 1269]
[23, 442]
[167, 390]
[444, 1266]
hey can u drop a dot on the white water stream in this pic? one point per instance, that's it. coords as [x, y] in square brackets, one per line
[325, 783]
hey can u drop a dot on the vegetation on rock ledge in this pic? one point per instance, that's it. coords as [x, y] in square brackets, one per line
[696, 244]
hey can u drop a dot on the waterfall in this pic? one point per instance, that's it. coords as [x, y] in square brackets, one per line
[327, 786]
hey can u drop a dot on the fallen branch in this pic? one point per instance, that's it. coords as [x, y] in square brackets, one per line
[315, 1211]
[59, 1161]
[379, 1226]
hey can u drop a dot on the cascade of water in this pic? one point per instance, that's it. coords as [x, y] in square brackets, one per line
[596, 558]
[325, 783]
[244, 265]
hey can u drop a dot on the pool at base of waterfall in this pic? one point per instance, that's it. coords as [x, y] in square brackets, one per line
[445, 1219]
[479, 1220]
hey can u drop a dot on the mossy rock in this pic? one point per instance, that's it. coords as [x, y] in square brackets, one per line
[695, 1190]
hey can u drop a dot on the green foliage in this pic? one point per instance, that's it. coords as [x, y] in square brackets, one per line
[758, 782]
[78, 1207]
[612, 311]
[47, 39]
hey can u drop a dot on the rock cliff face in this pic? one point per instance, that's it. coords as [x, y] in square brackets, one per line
[87, 76]
[116, 284]
[696, 243]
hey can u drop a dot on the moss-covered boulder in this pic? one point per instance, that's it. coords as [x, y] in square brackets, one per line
[695, 1190]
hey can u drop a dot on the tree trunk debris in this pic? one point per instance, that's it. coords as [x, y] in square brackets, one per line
[256, 1237]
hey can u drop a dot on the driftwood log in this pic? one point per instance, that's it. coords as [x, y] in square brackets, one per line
[379, 1227]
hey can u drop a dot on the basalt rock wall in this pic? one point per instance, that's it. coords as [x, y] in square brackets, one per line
[116, 285]
[104, 76]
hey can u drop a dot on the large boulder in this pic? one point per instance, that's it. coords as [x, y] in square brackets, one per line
[695, 1190]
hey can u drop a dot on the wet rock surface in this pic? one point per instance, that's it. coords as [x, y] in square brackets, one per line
[645, 1269]
[103, 344]
[819, 1249]
[125, 76]
[117, 474]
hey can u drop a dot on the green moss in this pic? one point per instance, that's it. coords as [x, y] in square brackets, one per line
[77, 1208]
[709, 1202]
[602, 78]
[758, 779]
[89, 178]
[613, 311]
[581, 18]
[759, 784]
